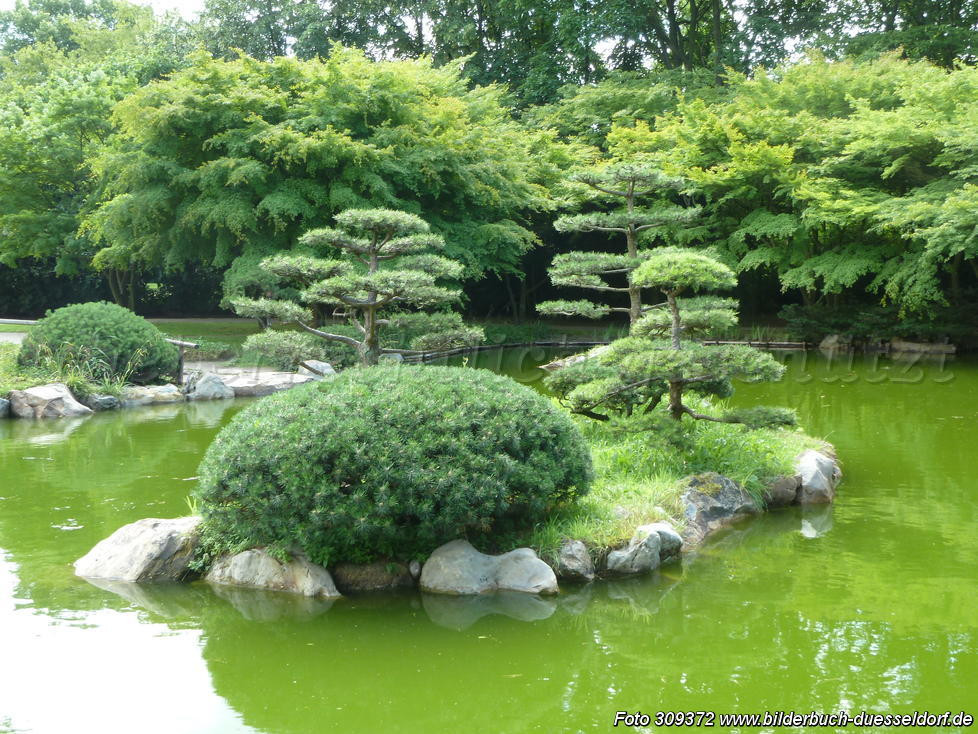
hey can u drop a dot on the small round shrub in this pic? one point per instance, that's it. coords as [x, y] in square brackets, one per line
[105, 340]
[391, 462]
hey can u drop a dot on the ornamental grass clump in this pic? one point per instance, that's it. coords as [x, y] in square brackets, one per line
[389, 462]
[106, 341]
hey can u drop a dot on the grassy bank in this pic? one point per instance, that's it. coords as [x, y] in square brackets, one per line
[639, 473]
[16, 377]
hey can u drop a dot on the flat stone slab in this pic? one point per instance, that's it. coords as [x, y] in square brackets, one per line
[264, 383]
[145, 550]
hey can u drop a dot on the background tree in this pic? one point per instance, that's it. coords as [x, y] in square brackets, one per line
[365, 282]
[636, 372]
[590, 270]
[238, 158]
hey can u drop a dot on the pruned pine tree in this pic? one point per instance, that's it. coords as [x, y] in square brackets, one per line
[386, 262]
[658, 360]
[609, 272]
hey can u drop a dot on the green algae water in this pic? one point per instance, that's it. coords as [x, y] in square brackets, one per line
[868, 605]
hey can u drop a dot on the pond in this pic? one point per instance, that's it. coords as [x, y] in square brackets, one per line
[871, 604]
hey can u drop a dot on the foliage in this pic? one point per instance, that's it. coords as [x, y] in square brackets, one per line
[362, 286]
[867, 324]
[238, 158]
[389, 461]
[835, 176]
[123, 344]
[430, 332]
[592, 270]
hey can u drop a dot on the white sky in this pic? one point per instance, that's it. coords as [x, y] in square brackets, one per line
[187, 8]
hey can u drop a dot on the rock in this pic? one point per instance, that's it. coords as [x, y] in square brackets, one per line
[208, 386]
[922, 347]
[397, 358]
[714, 501]
[461, 612]
[641, 555]
[819, 476]
[4, 408]
[352, 578]
[834, 342]
[574, 358]
[574, 561]
[670, 541]
[257, 569]
[145, 550]
[783, 492]
[316, 369]
[151, 395]
[100, 403]
[46, 401]
[414, 568]
[458, 568]
[265, 383]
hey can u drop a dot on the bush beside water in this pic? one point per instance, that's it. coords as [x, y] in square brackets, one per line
[103, 341]
[389, 462]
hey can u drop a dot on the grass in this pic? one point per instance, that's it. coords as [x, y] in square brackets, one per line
[55, 368]
[639, 473]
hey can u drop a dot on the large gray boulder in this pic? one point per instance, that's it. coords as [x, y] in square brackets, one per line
[574, 561]
[46, 401]
[641, 555]
[135, 395]
[258, 569]
[145, 550]
[4, 408]
[713, 501]
[257, 384]
[819, 476]
[353, 578]
[458, 568]
[208, 386]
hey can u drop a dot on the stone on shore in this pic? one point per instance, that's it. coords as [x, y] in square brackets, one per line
[819, 476]
[782, 492]
[265, 383]
[458, 568]
[134, 395]
[46, 401]
[4, 408]
[316, 369]
[670, 541]
[353, 578]
[257, 569]
[641, 555]
[100, 403]
[713, 501]
[574, 561]
[145, 550]
[208, 386]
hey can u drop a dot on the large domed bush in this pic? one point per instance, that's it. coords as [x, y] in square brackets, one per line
[389, 461]
[104, 339]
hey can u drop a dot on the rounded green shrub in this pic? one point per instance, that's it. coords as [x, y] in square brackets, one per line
[391, 462]
[104, 340]
[284, 350]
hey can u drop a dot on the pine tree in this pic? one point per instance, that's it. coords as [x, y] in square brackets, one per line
[597, 270]
[386, 263]
[638, 371]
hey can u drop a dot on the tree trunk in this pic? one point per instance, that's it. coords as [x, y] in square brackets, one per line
[370, 348]
[676, 408]
[954, 270]
[677, 326]
[631, 239]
